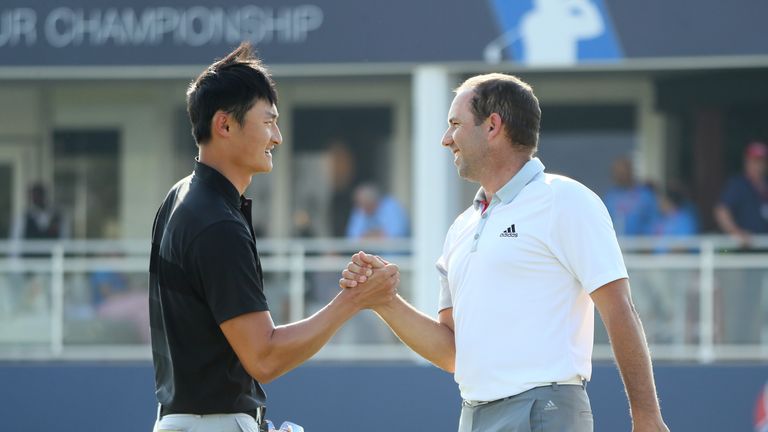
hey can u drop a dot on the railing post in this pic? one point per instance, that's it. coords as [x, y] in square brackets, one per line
[707, 302]
[296, 291]
[57, 300]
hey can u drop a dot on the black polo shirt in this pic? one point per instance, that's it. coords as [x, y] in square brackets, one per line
[204, 270]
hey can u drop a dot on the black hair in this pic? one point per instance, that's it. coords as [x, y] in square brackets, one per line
[233, 84]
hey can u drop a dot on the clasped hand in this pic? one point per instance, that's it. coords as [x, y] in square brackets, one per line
[373, 280]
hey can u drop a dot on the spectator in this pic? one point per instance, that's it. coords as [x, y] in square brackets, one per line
[670, 295]
[743, 212]
[342, 171]
[376, 216]
[743, 207]
[324, 187]
[632, 206]
[677, 217]
[40, 220]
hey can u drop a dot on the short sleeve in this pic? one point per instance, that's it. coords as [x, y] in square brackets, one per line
[227, 271]
[583, 239]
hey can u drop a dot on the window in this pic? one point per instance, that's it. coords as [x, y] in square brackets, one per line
[335, 149]
[86, 174]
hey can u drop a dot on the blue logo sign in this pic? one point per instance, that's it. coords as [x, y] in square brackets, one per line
[553, 32]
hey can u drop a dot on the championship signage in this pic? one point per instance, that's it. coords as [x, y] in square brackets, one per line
[550, 33]
[64, 27]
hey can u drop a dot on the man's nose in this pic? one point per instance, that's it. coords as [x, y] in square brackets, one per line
[447, 139]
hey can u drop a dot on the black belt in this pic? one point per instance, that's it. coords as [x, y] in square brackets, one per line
[258, 414]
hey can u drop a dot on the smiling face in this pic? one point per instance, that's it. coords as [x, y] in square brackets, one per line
[465, 140]
[254, 140]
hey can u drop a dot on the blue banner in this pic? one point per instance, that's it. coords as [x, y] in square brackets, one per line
[528, 32]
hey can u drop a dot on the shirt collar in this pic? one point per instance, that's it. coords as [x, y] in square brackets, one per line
[509, 191]
[218, 182]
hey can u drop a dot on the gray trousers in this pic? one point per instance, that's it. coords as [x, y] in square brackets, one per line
[553, 408]
[206, 423]
[238, 422]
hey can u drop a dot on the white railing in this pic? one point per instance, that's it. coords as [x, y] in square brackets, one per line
[689, 326]
[709, 259]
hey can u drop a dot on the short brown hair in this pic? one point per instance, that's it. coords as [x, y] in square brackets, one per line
[512, 99]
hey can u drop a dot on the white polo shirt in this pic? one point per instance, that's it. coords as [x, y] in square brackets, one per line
[518, 277]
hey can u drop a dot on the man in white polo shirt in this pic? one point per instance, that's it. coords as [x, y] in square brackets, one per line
[521, 271]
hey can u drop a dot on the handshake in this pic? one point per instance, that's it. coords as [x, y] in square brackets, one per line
[369, 281]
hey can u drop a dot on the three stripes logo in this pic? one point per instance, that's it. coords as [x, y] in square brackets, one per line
[509, 232]
[550, 406]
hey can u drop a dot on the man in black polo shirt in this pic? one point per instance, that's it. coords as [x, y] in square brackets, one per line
[213, 339]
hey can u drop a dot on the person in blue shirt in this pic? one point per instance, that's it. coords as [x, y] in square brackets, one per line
[742, 213]
[633, 207]
[677, 217]
[376, 216]
[743, 208]
[669, 293]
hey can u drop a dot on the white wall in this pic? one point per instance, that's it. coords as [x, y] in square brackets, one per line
[20, 113]
[143, 113]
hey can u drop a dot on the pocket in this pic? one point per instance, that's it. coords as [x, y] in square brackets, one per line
[557, 412]
[246, 423]
[176, 423]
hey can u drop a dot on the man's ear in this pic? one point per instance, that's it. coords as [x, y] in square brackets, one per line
[494, 125]
[220, 124]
